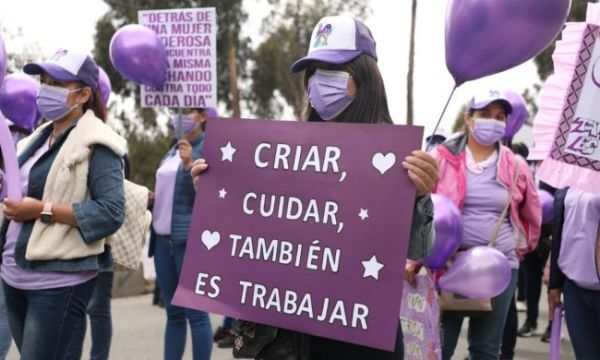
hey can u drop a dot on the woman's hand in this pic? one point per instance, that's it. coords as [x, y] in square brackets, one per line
[411, 269]
[185, 153]
[553, 301]
[422, 170]
[22, 210]
[198, 168]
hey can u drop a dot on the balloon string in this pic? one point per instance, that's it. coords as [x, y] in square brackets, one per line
[437, 125]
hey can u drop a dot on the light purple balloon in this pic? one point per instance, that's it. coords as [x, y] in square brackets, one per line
[516, 119]
[478, 273]
[485, 37]
[447, 220]
[3, 60]
[212, 112]
[547, 202]
[105, 85]
[139, 55]
[18, 102]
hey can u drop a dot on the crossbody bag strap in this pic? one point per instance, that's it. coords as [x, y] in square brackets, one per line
[505, 211]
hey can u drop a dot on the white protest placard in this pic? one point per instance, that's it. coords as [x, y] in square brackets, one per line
[189, 36]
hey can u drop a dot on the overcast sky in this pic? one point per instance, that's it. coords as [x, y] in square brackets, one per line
[53, 25]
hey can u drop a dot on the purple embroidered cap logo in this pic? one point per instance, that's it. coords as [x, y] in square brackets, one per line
[66, 65]
[486, 97]
[337, 40]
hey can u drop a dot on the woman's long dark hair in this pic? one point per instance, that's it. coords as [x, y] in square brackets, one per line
[370, 104]
[96, 104]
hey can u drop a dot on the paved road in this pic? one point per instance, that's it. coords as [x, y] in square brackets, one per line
[138, 330]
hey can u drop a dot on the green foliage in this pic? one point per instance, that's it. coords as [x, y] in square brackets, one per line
[288, 29]
[544, 59]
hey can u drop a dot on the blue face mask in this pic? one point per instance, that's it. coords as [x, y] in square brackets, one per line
[52, 101]
[328, 93]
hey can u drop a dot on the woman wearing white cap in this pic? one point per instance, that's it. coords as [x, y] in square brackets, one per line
[479, 175]
[344, 85]
[72, 180]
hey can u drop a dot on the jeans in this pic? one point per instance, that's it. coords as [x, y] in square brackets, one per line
[511, 327]
[44, 322]
[5, 335]
[533, 265]
[98, 310]
[485, 332]
[582, 312]
[168, 259]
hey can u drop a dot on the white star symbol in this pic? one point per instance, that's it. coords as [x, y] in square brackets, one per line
[364, 213]
[228, 152]
[222, 193]
[372, 268]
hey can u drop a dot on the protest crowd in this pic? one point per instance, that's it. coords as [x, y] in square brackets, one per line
[486, 224]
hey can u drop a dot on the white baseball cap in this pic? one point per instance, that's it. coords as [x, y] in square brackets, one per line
[66, 65]
[337, 40]
[484, 98]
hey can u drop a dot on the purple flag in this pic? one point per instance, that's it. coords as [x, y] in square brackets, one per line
[304, 226]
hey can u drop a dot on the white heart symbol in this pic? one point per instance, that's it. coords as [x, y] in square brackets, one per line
[384, 162]
[210, 240]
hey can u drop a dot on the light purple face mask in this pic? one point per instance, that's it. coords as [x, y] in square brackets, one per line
[188, 124]
[328, 93]
[52, 101]
[487, 132]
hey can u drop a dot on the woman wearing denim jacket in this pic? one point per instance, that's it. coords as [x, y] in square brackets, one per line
[344, 85]
[72, 179]
[173, 204]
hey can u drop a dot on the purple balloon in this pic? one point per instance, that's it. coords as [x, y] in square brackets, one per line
[516, 119]
[485, 37]
[212, 112]
[139, 55]
[447, 220]
[478, 273]
[18, 100]
[547, 202]
[3, 60]
[105, 86]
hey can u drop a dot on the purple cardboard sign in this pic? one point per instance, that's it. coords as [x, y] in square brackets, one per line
[420, 317]
[304, 226]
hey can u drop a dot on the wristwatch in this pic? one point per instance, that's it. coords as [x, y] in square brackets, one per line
[47, 216]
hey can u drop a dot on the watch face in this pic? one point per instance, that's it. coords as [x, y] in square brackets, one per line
[46, 218]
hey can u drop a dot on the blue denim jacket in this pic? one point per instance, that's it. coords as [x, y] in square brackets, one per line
[98, 217]
[183, 201]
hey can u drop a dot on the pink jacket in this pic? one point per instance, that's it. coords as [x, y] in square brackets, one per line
[525, 210]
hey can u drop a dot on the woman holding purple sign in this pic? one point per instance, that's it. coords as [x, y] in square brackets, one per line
[344, 84]
[575, 268]
[173, 203]
[497, 197]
